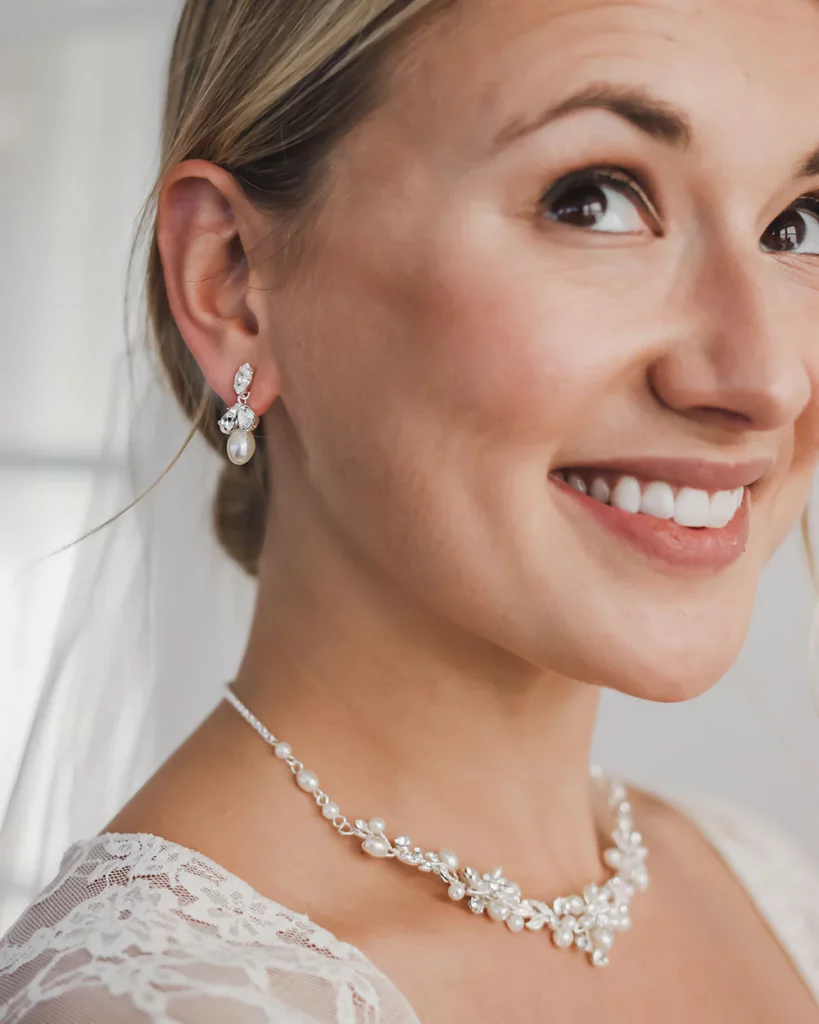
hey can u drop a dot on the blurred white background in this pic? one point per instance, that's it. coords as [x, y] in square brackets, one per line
[80, 94]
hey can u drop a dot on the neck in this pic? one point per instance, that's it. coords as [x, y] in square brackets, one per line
[447, 737]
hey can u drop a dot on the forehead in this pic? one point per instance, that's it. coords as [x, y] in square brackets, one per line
[728, 62]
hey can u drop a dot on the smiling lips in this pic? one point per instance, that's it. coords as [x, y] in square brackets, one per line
[687, 512]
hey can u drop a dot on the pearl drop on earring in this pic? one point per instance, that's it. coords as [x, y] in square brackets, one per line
[240, 447]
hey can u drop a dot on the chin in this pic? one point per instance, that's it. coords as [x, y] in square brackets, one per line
[667, 675]
[665, 651]
[672, 688]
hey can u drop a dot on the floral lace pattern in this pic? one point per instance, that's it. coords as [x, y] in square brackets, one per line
[135, 929]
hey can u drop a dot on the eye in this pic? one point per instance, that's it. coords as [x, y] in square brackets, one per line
[605, 200]
[795, 230]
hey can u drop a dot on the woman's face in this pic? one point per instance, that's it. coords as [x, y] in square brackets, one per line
[627, 288]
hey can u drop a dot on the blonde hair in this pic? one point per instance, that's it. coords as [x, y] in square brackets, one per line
[262, 88]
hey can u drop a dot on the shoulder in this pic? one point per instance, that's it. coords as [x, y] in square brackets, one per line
[763, 852]
[775, 868]
[134, 925]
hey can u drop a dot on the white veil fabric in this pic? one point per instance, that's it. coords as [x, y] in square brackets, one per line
[153, 616]
[151, 627]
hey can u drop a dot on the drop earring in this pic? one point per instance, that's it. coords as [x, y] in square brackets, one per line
[240, 420]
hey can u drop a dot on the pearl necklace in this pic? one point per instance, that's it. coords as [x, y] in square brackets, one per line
[588, 922]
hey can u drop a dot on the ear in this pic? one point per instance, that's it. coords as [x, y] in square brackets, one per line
[205, 229]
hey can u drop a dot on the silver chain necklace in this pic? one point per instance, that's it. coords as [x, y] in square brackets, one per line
[589, 922]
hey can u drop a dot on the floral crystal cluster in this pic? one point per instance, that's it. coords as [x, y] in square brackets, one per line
[589, 922]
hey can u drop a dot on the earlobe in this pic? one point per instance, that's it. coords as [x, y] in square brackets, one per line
[203, 234]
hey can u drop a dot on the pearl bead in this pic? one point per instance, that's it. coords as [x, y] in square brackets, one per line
[282, 750]
[498, 911]
[307, 780]
[375, 846]
[563, 937]
[330, 811]
[575, 905]
[602, 938]
[613, 857]
[240, 447]
[640, 877]
[377, 824]
[457, 891]
[514, 923]
[450, 859]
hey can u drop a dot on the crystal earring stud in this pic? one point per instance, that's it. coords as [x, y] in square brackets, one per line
[240, 420]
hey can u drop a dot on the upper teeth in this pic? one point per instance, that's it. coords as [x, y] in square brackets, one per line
[688, 506]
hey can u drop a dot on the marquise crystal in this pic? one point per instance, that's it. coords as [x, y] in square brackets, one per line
[590, 922]
[243, 379]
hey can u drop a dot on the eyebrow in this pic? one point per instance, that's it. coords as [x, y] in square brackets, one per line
[655, 117]
[809, 167]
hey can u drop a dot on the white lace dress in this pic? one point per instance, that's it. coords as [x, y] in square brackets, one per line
[135, 929]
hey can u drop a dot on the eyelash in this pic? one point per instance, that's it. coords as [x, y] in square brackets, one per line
[631, 182]
[627, 180]
[809, 199]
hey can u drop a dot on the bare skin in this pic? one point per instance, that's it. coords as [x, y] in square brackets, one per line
[434, 623]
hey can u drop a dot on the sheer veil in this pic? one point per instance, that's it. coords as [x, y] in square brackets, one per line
[151, 626]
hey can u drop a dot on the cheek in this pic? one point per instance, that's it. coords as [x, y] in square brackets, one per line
[438, 365]
[784, 507]
[521, 347]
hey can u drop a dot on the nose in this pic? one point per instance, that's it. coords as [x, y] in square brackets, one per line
[740, 364]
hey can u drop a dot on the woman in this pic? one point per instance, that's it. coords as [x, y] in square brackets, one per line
[503, 318]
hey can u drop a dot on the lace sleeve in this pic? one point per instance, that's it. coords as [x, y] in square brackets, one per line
[137, 930]
[99, 1005]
